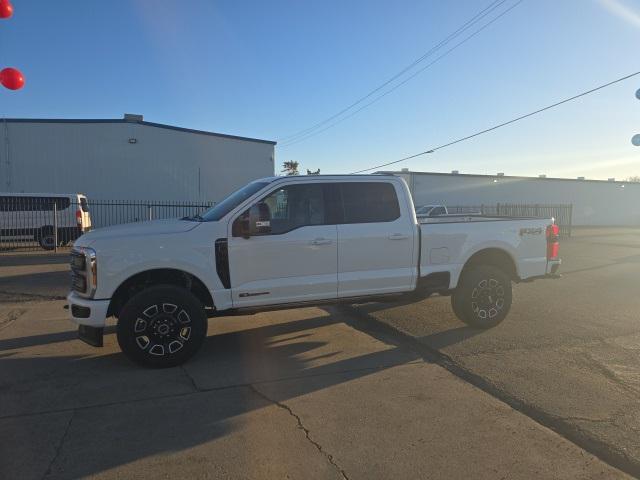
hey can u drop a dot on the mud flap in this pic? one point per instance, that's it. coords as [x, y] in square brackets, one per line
[91, 335]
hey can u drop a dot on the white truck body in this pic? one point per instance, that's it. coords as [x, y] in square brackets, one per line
[303, 256]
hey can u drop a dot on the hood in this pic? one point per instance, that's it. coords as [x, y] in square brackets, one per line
[138, 229]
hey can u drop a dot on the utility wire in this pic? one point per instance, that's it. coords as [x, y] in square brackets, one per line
[495, 127]
[468, 24]
[465, 40]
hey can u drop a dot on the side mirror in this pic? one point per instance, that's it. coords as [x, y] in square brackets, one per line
[240, 227]
[255, 221]
[260, 219]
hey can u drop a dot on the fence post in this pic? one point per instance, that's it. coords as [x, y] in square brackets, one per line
[55, 226]
[498, 210]
[150, 212]
[570, 218]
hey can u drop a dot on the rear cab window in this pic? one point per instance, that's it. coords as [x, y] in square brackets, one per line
[369, 202]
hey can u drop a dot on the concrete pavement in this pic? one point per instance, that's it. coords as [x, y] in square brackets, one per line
[291, 394]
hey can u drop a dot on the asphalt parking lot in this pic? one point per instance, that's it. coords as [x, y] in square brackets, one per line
[368, 391]
[567, 355]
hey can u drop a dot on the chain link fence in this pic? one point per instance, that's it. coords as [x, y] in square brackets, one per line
[29, 223]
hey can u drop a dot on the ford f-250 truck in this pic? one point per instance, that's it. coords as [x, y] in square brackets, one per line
[291, 241]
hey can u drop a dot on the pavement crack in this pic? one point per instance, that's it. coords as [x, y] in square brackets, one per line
[191, 379]
[301, 426]
[11, 317]
[63, 439]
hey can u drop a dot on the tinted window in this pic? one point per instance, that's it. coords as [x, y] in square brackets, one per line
[437, 211]
[369, 202]
[84, 205]
[33, 204]
[295, 206]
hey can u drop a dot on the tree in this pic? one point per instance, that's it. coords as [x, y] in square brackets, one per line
[290, 167]
[309, 172]
[634, 179]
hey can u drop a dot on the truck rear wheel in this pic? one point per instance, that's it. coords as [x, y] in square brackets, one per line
[483, 297]
[162, 326]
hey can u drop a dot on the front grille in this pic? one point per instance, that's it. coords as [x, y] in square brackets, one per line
[78, 261]
[78, 272]
[78, 282]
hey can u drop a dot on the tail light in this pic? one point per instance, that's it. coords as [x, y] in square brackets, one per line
[553, 243]
[79, 217]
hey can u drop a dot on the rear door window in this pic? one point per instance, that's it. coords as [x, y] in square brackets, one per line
[369, 202]
[84, 205]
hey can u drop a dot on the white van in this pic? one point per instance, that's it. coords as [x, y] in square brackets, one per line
[30, 217]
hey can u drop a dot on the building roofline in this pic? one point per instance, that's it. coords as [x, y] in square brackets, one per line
[139, 122]
[480, 175]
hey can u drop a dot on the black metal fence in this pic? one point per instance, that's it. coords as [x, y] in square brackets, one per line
[561, 212]
[54, 222]
[30, 222]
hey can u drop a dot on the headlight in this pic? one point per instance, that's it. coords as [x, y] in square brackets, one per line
[92, 270]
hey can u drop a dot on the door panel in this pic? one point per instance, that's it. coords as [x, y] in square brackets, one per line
[293, 267]
[371, 261]
[376, 242]
[294, 255]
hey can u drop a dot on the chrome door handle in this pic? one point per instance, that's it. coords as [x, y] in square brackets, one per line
[398, 236]
[321, 241]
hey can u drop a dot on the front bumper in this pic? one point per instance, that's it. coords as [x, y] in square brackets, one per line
[87, 311]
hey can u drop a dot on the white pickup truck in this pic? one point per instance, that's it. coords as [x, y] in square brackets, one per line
[292, 241]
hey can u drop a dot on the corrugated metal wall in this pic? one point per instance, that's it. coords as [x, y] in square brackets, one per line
[97, 159]
[594, 202]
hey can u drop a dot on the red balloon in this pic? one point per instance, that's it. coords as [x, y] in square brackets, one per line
[6, 9]
[11, 78]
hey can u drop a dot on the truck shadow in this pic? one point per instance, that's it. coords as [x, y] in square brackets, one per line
[108, 412]
[448, 330]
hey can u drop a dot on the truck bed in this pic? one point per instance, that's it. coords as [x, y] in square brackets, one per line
[448, 241]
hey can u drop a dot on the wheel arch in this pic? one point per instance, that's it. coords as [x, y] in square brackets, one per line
[495, 256]
[158, 276]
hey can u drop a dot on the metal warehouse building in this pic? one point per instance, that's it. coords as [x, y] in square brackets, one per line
[595, 202]
[127, 159]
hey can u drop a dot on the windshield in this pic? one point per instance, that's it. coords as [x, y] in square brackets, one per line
[218, 211]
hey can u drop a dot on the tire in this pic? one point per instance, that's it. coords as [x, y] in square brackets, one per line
[46, 238]
[483, 297]
[162, 326]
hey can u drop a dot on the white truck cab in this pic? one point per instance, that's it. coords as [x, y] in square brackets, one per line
[280, 242]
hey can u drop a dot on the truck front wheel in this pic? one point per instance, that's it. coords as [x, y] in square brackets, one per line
[483, 296]
[162, 326]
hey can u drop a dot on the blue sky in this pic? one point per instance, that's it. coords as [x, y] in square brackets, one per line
[270, 69]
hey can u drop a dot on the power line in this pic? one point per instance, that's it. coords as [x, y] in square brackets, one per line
[312, 134]
[468, 24]
[495, 127]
